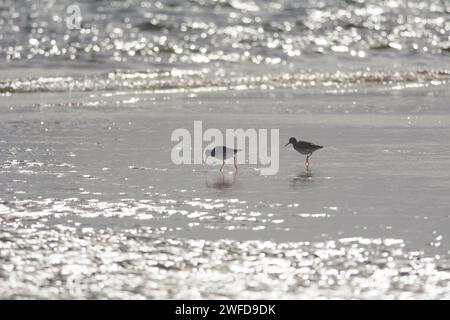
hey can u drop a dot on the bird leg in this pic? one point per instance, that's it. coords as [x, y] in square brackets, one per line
[235, 164]
[223, 163]
[307, 160]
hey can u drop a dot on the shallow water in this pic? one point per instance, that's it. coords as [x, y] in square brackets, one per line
[91, 205]
[99, 182]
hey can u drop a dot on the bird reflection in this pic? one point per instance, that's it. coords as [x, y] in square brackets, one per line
[219, 180]
[304, 178]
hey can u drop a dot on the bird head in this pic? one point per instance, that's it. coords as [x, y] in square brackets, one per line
[292, 140]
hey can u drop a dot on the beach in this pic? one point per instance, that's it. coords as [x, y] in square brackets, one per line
[93, 207]
[98, 182]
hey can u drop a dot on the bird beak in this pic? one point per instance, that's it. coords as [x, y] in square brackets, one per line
[287, 144]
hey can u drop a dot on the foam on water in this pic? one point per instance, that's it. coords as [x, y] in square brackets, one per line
[177, 80]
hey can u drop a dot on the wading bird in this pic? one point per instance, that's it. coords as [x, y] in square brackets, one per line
[223, 153]
[304, 147]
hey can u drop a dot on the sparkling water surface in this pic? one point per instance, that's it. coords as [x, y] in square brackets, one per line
[91, 205]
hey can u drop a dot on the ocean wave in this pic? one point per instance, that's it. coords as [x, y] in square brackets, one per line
[188, 80]
[211, 32]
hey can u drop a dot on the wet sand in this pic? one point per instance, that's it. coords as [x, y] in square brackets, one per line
[91, 205]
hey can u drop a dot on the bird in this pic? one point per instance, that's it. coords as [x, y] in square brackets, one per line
[223, 153]
[304, 147]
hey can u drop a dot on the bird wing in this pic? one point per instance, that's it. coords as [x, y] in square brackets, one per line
[308, 145]
[228, 152]
[223, 152]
